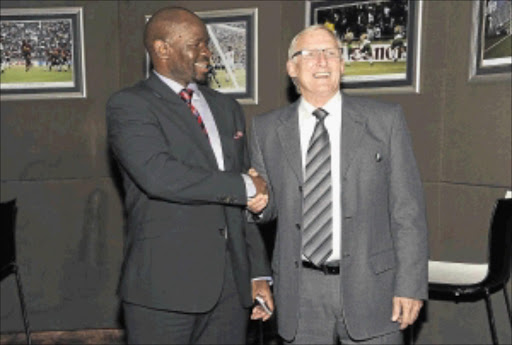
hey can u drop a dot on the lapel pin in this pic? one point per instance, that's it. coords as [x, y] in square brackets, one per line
[378, 157]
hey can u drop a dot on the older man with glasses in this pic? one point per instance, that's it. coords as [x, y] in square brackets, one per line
[350, 259]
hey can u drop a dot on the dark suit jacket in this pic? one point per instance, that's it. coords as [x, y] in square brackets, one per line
[178, 203]
[384, 244]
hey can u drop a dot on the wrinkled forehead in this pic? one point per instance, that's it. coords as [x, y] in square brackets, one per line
[316, 39]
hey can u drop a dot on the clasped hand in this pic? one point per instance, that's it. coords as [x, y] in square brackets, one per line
[258, 203]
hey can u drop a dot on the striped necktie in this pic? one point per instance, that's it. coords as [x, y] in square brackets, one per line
[317, 216]
[186, 96]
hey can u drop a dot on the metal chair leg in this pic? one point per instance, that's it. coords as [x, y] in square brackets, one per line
[507, 302]
[23, 307]
[490, 314]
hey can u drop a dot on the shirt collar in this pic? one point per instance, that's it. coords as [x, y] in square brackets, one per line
[177, 87]
[306, 108]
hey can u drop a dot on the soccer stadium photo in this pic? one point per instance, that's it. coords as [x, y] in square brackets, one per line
[498, 30]
[228, 44]
[37, 53]
[373, 35]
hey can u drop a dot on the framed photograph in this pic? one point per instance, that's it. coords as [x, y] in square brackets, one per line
[491, 41]
[42, 53]
[381, 41]
[234, 46]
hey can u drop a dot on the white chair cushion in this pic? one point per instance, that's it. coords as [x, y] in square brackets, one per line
[454, 273]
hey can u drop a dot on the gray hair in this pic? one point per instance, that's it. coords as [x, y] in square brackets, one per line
[293, 44]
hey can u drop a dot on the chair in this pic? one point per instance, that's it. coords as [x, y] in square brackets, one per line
[8, 263]
[473, 282]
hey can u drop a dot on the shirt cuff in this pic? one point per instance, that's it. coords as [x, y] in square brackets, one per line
[269, 279]
[250, 188]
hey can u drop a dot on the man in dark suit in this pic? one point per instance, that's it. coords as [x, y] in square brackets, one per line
[350, 259]
[191, 259]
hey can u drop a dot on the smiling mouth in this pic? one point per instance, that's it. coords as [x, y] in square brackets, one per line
[202, 65]
[321, 75]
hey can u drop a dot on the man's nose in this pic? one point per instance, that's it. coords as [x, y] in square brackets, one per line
[321, 59]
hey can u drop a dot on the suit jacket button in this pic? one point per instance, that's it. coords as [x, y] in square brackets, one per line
[297, 226]
[296, 264]
[300, 188]
[222, 232]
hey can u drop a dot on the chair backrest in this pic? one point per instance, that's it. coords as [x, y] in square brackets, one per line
[500, 243]
[8, 225]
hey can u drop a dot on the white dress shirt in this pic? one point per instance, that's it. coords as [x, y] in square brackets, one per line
[332, 122]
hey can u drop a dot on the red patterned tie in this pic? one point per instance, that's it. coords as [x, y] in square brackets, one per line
[186, 95]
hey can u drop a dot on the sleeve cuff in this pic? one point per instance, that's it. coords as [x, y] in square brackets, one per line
[250, 188]
[269, 279]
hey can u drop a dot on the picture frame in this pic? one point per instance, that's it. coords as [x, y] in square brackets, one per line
[491, 41]
[381, 42]
[42, 53]
[234, 46]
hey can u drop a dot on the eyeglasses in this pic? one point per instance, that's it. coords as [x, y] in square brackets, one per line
[313, 54]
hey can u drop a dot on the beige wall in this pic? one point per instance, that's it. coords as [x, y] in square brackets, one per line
[54, 160]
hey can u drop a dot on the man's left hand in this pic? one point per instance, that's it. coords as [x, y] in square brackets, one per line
[261, 288]
[405, 311]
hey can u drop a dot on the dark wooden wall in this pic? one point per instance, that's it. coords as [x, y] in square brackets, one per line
[55, 161]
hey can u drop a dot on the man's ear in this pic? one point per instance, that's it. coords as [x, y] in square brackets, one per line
[291, 68]
[162, 49]
[342, 67]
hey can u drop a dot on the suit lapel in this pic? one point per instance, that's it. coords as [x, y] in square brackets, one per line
[181, 115]
[288, 133]
[353, 127]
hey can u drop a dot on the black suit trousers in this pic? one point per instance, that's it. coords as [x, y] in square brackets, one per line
[225, 323]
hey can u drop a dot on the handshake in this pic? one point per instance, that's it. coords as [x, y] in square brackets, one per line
[257, 203]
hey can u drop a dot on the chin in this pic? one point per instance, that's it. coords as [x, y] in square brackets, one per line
[326, 88]
[201, 79]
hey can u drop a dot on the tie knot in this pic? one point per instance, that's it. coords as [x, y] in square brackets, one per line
[186, 95]
[320, 114]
